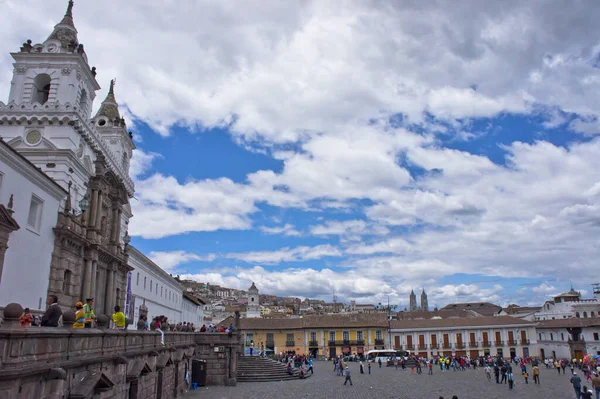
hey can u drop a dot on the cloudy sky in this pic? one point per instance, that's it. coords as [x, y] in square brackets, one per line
[366, 147]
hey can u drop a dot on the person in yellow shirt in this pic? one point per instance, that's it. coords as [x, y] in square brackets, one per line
[119, 318]
[79, 316]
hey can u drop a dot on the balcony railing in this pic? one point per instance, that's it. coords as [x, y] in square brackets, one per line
[313, 343]
[473, 344]
[433, 346]
[486, 344]
[447, 345]
[290, 343]
[512, 343]
[422, 346]
[460, 345]
[358, 342]
[499, 343]
[410, 347]
[378, 341]
[524, 342]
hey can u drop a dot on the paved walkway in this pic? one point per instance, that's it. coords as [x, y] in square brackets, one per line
[387, 383]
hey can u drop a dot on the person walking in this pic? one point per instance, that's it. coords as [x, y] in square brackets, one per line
[348, 378]
[511, 379]
[53, 313]
[430, 367]
[362, 367]
[576, 381]
[596, 385]
[26, 318]
[526, 376]
[369, 367]
[536, 374]
[251, 348]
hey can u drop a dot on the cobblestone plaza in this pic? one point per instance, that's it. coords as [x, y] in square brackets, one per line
[387, 383]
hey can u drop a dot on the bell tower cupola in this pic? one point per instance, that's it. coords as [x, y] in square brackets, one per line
[55, 72]
[113, 130]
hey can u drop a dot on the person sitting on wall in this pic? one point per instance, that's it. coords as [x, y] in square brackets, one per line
[119, 319]
[79, 316]
[53, 314]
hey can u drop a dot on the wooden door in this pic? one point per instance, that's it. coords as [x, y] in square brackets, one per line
[523, 337]
[485, 338]
[472, 339]
[397, 342]
[459, 341]
[433, 341]
[421, 342]
[511, 338]
[409, 342]
[498, 339]
[446, 341]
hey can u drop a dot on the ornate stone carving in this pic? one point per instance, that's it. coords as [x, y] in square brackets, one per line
[66, 71]
[78, 75]
[21, 70]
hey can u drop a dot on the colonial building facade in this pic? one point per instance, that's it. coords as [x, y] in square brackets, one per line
[460, 336]
[47, 120]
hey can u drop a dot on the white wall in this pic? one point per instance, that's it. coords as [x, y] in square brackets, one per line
[192, 313]
[27, 262]
[147, 281]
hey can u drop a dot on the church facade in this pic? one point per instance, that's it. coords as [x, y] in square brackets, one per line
[48, 121]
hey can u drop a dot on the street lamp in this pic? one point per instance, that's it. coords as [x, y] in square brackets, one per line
[388, 308]
[83, 205]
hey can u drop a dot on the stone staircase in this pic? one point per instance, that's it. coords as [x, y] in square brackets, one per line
[256, 369]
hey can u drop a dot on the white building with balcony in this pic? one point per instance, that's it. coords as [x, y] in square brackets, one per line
[478, 336]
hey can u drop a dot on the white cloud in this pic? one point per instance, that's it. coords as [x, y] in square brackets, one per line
[287, 230]
[352, 228]
[171, 259]
[318, 65]
[287, 254]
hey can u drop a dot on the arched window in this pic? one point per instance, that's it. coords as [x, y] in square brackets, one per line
[577, 314]
[585, 315]
[66, 282]
[40, 92]
[592, 314]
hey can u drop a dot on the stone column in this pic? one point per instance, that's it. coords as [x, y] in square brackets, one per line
[113, 229]
[119, 215]
[93, 284]
[98, 210]
[86, 286]
[93, 209]
[3, 248]
[109, 294]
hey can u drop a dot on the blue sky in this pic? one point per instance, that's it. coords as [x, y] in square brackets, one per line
[366, 149]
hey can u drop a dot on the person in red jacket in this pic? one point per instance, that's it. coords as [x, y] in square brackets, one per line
[26, 318]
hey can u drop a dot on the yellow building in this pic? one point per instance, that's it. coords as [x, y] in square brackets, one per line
[323, 335]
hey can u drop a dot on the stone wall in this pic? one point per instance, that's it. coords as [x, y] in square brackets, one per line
[53, 363]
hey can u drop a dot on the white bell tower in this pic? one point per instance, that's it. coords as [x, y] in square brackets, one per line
[253, 307]
[47, 117]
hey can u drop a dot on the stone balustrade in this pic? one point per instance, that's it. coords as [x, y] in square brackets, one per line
[57, 362]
